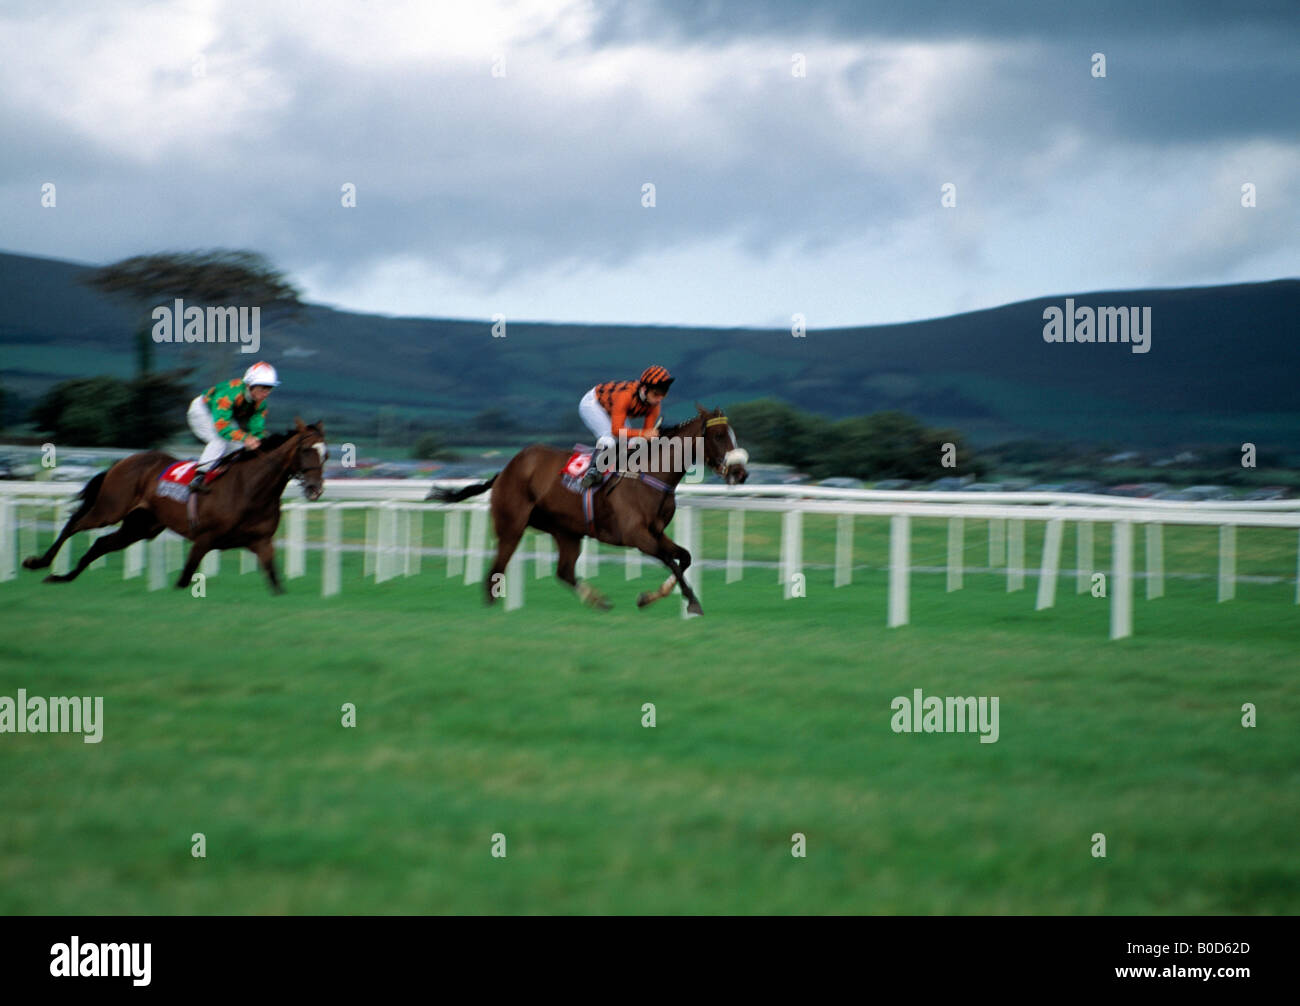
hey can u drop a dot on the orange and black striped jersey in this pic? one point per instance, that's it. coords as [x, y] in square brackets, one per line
[620, 400]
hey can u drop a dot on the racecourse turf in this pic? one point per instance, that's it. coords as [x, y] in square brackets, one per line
[222, 717]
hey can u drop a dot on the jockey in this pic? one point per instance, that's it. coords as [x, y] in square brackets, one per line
[606, 408]
[231, 416]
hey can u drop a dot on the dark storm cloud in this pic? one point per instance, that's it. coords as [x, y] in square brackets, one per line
[1179, 70]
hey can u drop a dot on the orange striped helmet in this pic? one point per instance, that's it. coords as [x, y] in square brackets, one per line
[656, 377]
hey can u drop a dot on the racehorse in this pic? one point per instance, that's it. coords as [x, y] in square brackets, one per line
[630, 510]
[240, 509]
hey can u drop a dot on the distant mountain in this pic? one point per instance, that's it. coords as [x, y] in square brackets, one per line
[1222, 366]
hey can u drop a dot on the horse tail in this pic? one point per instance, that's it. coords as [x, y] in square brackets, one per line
[89, 493]
[456, 495]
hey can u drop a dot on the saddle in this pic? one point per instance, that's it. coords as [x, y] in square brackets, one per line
[576, 467]
[174, 484]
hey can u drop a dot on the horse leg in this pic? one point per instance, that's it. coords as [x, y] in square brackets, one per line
[569, 547]
[83, 519]
[265, 552]
[510, 529]
[139, 525]
[201, 547]
[677, 559]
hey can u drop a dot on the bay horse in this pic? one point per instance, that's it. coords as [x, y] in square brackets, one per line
[240, 509]
[630, 510]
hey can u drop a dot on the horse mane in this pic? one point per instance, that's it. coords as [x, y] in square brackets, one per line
[702, 413]
[269, 443]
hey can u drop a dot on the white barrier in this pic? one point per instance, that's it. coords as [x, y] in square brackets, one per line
[843, 550]
[956, 552]
[394, 515]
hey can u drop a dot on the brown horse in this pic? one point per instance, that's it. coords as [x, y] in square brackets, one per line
[630, 510]
[240, 509]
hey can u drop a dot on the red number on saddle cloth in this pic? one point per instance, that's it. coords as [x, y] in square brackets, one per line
[578, 464]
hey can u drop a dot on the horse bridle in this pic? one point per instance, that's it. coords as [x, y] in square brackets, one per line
[737, 455]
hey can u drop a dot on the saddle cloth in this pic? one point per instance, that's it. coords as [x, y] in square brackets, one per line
[174, 482]
[576, 467]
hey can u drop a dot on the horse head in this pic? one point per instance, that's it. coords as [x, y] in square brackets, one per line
[308, 461]
[721, 452]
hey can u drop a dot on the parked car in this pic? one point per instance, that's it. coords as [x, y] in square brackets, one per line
[894, 485]
[841, 482]
[947, 485]
[1210, 492]
[1267, 493]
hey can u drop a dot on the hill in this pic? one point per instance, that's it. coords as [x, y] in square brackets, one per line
[1221, 367]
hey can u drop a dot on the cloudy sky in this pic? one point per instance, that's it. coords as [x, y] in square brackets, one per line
[500, 150]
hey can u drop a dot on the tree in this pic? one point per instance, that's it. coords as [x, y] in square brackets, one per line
[779, 433]
[84, 411]
[202, 278]
[431, 447]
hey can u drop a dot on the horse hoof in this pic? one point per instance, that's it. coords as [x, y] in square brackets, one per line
[694, 611]
[642, 599]
[32, 562]
[54, 579]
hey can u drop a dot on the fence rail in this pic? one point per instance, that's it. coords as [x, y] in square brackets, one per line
[394, 535]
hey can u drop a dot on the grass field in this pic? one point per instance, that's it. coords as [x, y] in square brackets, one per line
[222, 717]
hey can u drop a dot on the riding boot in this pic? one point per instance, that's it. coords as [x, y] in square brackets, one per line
[196, 483]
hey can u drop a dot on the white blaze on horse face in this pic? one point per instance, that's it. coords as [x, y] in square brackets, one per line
[320, 449]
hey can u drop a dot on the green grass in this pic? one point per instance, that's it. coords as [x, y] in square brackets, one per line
[222, 716]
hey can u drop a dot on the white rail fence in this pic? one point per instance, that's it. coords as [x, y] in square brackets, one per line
[394, 545]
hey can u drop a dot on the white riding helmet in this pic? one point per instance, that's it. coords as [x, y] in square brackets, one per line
[261, 373]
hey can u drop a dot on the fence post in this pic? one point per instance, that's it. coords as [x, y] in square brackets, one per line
[331, 559]
[1015, 555]
[686, 528]
[158, 562]
[414, 540]
[900, 533]
[1227, 562]
[542, 552]
[63, 561]
[791, 551]
[735, 545]
[1121, 587]
[956, 551]
[515, 582]
[453, 541]
[843, 549]
[295, 564]
[1155, 561]
[997, 542]
[477, 544]
[1051, 563]
[1083, 558]
[8, 551]
[368, 558]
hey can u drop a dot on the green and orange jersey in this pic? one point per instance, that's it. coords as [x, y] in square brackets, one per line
[619, 399]
[234, 413]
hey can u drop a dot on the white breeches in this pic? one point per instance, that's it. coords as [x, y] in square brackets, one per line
[215, 445]
[597, 420]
